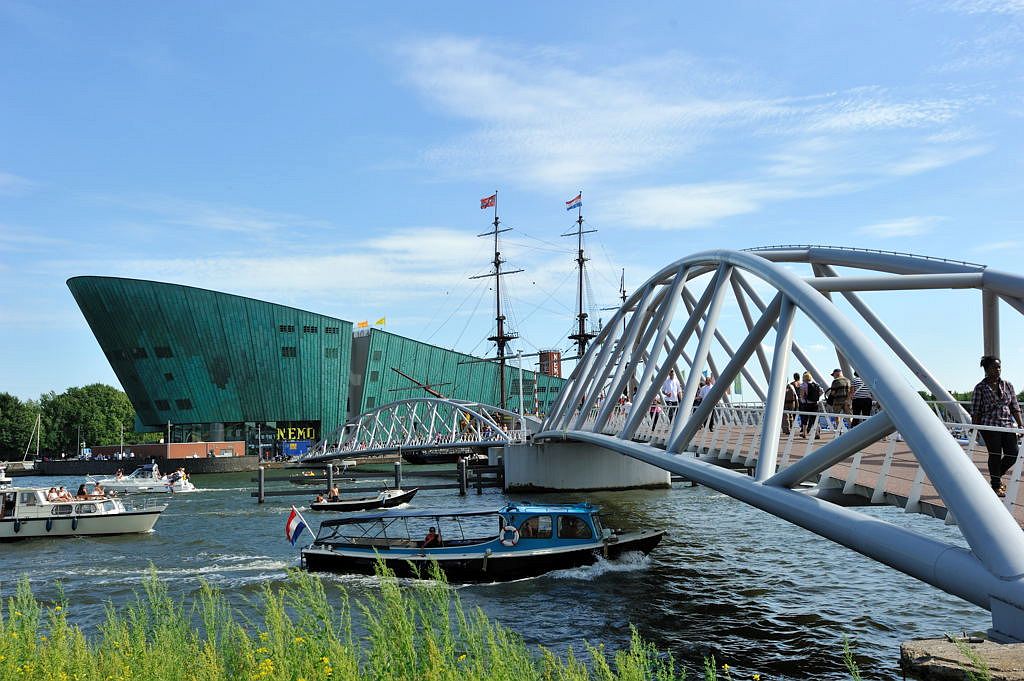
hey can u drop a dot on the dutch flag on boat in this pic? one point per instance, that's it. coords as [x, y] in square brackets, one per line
[294, 526]
[575, 202]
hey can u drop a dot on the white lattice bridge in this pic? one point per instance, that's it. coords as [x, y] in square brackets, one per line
[676, 321]
[420, 424]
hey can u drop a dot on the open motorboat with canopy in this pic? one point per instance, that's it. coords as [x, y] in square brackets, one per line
[146, 479]
[516, 541]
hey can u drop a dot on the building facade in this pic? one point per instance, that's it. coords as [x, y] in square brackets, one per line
[208, 366]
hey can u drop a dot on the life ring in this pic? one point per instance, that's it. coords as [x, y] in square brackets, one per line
[49, 524]
[509, 541]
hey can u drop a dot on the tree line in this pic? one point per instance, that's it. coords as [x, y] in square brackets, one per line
[95, 412]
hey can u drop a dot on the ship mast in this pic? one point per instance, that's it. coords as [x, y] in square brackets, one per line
[581, 337]
[502, 337]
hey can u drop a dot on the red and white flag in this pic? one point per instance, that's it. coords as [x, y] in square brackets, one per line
[489, 201]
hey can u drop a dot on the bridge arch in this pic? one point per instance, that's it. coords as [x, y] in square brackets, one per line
[651, 333]
[422, 423]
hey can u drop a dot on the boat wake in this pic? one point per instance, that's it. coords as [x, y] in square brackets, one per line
[627, 562]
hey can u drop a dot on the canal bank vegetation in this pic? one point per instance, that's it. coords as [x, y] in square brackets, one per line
[299, 633]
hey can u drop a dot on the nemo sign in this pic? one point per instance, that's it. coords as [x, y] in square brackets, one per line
[308, 433]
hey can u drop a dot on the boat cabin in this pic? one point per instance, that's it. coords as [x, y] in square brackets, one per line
[516, 526]
[32, 503]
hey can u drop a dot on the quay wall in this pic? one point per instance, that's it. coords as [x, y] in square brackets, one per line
[78, 467]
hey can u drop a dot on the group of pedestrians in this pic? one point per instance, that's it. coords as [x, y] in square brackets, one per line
[843, 397]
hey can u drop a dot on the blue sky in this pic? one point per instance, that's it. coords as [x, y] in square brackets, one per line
[332, 156]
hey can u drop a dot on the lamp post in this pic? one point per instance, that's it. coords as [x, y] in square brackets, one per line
[79, 441]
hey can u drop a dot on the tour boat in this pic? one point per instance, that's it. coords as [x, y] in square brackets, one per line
[25, 512]
[146, 479]
[388, 498]
[516, 541]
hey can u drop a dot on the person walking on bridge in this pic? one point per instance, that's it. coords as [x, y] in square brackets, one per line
[671, 390]
[994, 403]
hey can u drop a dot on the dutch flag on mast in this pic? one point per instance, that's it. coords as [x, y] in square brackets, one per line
[294, 526]
[576, 202]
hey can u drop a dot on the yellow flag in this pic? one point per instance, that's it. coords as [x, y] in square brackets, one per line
[380, 322]
[362, 325]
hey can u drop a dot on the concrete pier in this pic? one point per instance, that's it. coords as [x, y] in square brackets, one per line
[941, 659]
[566, 466]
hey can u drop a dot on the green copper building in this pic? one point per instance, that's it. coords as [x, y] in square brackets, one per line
[213, 366]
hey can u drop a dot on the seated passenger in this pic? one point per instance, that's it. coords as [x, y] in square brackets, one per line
[63, 494]
[98, 491]
[52, 495]
[119, 474]
[319, 499]
[334, 494]
[432, 538]
[82, 493]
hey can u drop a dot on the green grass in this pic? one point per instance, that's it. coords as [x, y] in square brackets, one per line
[300, 633]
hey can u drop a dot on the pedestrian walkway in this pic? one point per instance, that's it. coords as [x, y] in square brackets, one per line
[885, 472]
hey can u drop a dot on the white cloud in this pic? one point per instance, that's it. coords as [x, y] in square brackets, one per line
[910, 226]
[997, 246]
[543, 118]
[986, 6]
[12, 184]
[685, 206]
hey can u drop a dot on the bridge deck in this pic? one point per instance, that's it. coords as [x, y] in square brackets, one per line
[885, 472]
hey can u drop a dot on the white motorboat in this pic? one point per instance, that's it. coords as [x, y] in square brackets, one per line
[146, 479]
[25, 512]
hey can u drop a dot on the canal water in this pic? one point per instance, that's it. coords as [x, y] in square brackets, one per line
[758, 593]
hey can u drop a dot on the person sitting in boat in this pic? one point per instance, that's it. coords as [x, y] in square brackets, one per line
[82, 493]
[63, 494]
[432, 539]
[176, 476]
[98, 491]
[119, 474]
[52, 495]
[334, 494]
[319, 499]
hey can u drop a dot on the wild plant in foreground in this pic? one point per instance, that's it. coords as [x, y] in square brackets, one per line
[300, 633]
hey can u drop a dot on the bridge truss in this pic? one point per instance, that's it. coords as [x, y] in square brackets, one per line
[674, 321]
[424, 423]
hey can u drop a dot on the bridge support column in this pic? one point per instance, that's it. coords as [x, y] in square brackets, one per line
[577, 466]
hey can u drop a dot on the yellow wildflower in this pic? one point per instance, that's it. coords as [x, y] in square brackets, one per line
[58, 608]
[462, 657]
[725, 667]
[757, 677]
[299, 639]
[264, 636]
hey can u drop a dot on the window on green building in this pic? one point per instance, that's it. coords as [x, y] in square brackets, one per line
[374, 375]
[376, 355]
[163, 351]
[288, 351]
[183, 403]
[163, 405]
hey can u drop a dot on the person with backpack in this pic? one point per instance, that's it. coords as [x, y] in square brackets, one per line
[839, 394]
[790, 403]
[810, 394]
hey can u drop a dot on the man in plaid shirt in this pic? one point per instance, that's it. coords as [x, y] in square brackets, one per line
[994, 403]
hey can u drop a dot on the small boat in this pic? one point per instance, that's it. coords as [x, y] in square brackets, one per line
[388, 498]
[25, 512]
[146, 479]
[516, 541]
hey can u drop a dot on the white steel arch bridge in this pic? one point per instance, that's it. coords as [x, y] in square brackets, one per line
[674, 321]
[422, 424]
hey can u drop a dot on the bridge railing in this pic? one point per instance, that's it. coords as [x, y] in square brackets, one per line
[887, 471]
